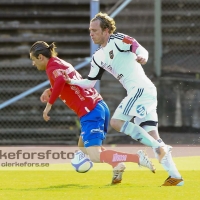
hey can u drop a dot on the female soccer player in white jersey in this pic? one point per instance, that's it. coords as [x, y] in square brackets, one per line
[122, 56]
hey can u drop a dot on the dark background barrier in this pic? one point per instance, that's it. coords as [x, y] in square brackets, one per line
[22, 22]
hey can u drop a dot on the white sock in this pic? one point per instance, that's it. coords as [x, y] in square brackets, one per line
[139, 134]
[172, 170]
[168, 164]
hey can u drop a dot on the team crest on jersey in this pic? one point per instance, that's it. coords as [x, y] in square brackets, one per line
[111, 54]
[141, 110]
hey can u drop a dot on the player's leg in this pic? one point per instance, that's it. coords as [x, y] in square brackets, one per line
[106, 117]
[93, 134]
[113, 157]
[81, 145]
[149, 123]
[138, 103]
[140, 135]
[95, 152]
[117, 158]
[94, 129]
[122, 124]
[83, 149]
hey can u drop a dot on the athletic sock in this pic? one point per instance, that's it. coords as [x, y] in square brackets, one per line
[161, 142]
[155, 149]
[168, 163]
[171, 166]
[114, 157]
[139, 134]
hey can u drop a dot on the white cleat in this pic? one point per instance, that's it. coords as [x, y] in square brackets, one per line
[117, 173]
[144, 161]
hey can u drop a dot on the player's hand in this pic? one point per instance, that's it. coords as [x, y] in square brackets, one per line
[44, 98]
[141, 60]
[45, 116]
[66, 77]
[46, 111]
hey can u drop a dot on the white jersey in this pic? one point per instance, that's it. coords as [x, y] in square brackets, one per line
[118, 59]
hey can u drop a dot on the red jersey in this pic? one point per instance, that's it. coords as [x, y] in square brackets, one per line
[80, 100]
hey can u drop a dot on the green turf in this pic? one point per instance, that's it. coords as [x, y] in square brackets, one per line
[59, 182]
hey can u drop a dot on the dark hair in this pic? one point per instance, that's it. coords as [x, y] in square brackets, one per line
[105, 22]
[41, 47]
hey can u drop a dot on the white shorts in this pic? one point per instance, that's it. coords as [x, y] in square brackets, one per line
[141, 103]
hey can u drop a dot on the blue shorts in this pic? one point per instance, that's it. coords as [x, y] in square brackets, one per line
[94, 125]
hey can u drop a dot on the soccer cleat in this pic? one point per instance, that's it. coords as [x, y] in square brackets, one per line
[163, 152]
[173, 182]
[144, 161]
[117, 173]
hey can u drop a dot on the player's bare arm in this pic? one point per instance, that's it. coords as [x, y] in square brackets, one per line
[46, 111]
[44, 98]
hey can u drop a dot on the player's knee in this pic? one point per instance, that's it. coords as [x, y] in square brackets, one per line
[116, 124]
[94, 153]
[112, 123]
[95, 158]
[83, 149]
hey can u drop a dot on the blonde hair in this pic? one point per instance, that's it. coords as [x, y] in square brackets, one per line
[105, 22]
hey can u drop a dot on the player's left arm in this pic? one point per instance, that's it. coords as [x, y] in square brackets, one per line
[141, 53]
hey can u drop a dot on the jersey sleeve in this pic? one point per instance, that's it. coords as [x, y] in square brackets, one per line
[84, 83]
[76, 79]
[127, 43]
[96, 68]
[123, 42]
[58, 86]
[142, 52]
[96, 72]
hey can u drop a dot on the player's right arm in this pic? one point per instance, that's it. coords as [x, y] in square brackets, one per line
[84, 83]
[129, 43]
[96, 72]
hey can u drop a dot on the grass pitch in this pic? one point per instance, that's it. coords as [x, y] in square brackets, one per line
[61, 182]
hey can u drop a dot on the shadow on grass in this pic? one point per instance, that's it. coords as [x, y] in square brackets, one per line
[67, 186]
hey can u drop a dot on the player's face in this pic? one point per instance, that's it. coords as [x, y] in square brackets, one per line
[97, 35]
[38, 62]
